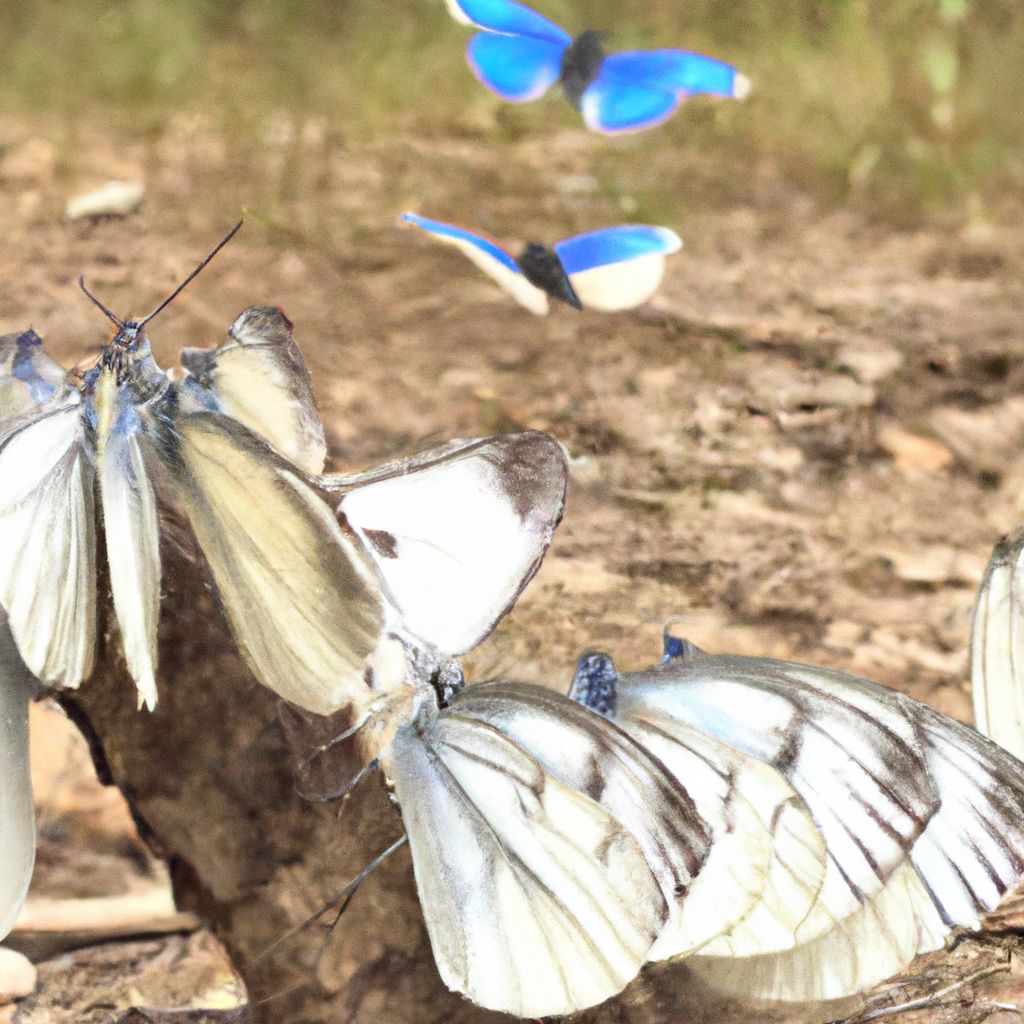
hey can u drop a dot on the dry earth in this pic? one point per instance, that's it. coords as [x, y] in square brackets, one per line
[806, 446]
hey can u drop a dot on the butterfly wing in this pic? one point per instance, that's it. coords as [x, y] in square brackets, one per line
[997, 647]
[641, 89]
[516, 68]
[304, 608]
[488, 257]
[28, 376]
[457, 533]
[260, 379]
[618, 267]
[17, 815]
[48, 554]
[537, 901]
[508, 18]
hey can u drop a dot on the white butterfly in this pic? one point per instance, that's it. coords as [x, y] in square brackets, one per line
[887, 823]
[307, 594]
[549, 849]
[997, 647]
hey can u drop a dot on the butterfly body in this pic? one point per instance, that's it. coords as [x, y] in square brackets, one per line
[519, 55]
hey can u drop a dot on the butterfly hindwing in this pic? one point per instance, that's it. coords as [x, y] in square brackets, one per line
[456, 533]
[28, 376]
[516, 68]
[260, 379]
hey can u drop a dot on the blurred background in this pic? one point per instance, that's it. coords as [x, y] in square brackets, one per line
[807, 443]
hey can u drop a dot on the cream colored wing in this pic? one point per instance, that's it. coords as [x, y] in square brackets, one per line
[997, 647]
[28, 376]
[457, 533]
[618, 286]
[537, 901]
[17, 815]
[305, 609]
[48, 554]
[260, 379]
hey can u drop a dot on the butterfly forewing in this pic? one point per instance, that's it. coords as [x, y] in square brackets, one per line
[48, 554]
[260, 379]
[28, 376]
[304, 608]
[455, 534]
[997, 647]
[537, 901]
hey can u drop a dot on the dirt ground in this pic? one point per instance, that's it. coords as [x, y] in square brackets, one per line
[806, 445]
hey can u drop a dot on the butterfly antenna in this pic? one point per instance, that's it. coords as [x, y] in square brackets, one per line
[341, 900]
[99, 305]
[195, 273]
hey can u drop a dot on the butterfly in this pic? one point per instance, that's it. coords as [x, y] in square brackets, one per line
[519, 55]
[549, 849]
[887, 826]
[234, 443]
[997, 654]
[608, 269]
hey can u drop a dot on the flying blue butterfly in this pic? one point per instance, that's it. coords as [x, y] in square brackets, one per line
[519, 55]
[608, 269]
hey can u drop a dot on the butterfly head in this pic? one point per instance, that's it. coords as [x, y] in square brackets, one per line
[595, 684]
[543, 269]
[581, 64]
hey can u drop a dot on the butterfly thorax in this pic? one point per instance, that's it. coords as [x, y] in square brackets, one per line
[543, 269]
[581, 64]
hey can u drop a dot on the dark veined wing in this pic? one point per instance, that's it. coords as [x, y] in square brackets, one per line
[48, 554]
[997, 647]
[304, 606]
[456, 533]
[17, 815]
[537, 901]
[260, 379]
[28, 376]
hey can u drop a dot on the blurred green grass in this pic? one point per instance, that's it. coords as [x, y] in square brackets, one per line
[905, 107]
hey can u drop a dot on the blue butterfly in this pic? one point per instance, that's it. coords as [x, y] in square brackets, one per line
[609, 269]
[519, 55]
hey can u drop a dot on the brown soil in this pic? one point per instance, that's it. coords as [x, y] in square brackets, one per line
[807, 445]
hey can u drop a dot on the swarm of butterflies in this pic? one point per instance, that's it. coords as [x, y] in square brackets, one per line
[794, 833]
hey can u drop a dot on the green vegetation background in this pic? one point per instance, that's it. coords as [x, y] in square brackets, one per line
[903, 106]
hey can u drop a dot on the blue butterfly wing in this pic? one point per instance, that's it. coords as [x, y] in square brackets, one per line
[508, 18]
[517, 68]
[677, 71]
[611, 107]
[460, 237]
[615, 245]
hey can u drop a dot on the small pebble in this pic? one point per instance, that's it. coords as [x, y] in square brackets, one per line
[115, 199]
[17, 976]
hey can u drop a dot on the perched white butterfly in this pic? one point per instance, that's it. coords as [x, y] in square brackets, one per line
[305, 594]
[997, 647]
[888, 824]
[549, 849]
[608, 269]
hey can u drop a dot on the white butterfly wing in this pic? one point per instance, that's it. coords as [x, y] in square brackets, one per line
[28, 376]
[260, 379]
[997, 647]
[304, 608]
[48, 554]
[619, 286]
[537, 901]
[586, 753]
[132, 530]
[17, 815]
[457, 533]
[862, 950]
